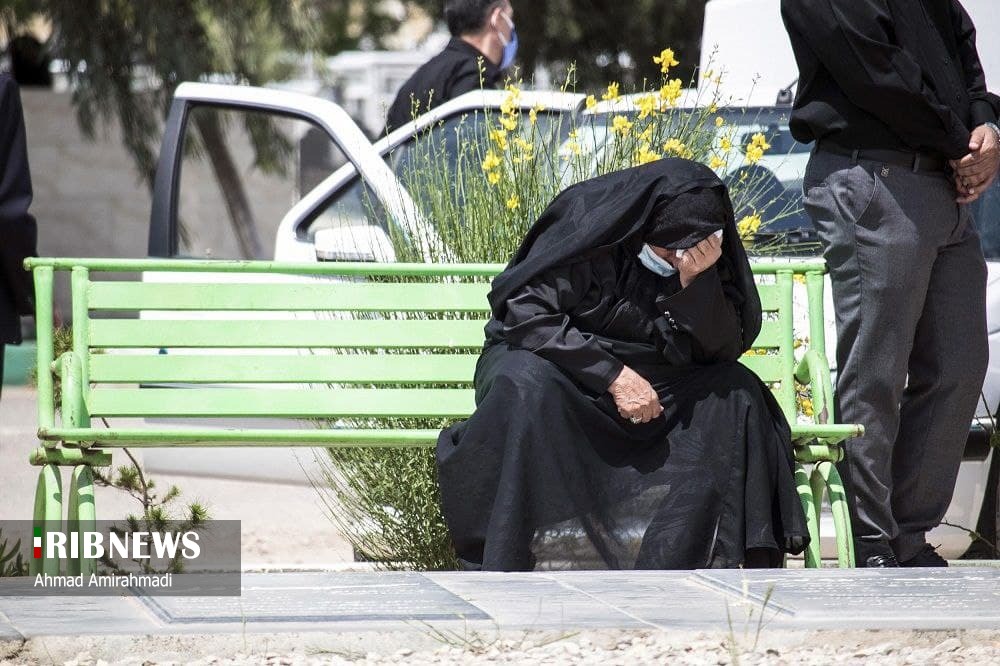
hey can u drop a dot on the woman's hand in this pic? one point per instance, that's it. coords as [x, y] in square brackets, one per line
[699, 258]
[635, 397]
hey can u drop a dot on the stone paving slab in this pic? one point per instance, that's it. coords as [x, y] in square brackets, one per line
[968, 598]
[321, 598]
[399, 602]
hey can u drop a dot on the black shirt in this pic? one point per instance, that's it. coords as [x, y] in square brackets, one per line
[896, 74]
[453, 72]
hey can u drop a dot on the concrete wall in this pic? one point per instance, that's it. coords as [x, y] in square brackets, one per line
[88, 199]
[90, 202]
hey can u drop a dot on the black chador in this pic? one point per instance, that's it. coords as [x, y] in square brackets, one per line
[546, 472]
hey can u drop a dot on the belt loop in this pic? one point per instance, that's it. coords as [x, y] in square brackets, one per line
[854, 155]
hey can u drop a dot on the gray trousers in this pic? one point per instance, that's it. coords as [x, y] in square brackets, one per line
[909, 290]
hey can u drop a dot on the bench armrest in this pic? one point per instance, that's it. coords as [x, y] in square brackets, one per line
[814, 371]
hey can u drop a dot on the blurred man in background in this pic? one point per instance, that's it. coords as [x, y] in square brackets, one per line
[17, 227]
[483, 44]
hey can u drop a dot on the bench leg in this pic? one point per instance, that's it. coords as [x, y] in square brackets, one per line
[47, 516]
[812, 517]
[81, 516]
[841, 514]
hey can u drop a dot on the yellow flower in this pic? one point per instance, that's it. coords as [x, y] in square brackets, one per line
[499, 137]
[677, 147]
[573, 134]
[612, 92]
[513, 91]
[491, 161]
[514, 202]
[719, 122]
[726, 143]
[572, 149]
[644, 155]
[665, 60]
[621, 125]
[709, 74]
[807, 406]
[647, 134]
[493, 177]
[648, 105]
[756, 148]
[509, 123]
[716, 162]
[713, 108]
[671, 92]
[591, 101]
[748, 226]
[798, 277]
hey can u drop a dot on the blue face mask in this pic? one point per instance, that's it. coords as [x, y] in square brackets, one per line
[655, 262]
[509, 45]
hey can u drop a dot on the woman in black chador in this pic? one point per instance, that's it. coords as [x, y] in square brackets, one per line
[614, 425]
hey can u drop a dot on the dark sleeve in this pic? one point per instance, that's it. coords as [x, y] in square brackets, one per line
[537, 320]
[983, 105]
[705, 311]
[18, 233]
[851, 39]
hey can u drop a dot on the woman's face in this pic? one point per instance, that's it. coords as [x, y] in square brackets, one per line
[665, 254]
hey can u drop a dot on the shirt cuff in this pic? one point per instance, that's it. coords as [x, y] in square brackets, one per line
[599, 375]
[982, 112]
[681, 309]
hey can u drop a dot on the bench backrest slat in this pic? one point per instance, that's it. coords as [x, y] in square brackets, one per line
[292, 367]
[304, 403]
[288, 333]
[320, 295]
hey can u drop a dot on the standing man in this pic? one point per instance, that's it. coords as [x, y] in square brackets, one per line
[894, 96]
[483, 44]
[17, 226]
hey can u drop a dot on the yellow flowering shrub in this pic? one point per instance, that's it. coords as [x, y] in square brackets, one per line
[756, 148]
[644, 155]
[676, 147]
[621, 125]
[748, 226]
[665, 60]
[671, 91]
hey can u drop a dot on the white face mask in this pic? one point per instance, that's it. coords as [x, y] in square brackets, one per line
[655, 262]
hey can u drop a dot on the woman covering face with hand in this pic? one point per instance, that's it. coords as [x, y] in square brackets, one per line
[612, 413]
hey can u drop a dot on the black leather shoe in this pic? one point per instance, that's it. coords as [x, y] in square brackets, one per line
[927, 557]
[881, 561]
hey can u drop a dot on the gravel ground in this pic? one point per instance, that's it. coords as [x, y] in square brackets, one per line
[607, 648]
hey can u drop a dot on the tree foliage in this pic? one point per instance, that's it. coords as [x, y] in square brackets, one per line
[609, 40]
[126, 58]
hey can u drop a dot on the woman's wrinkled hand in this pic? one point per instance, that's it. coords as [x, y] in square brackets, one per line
[635, 397]
[698, 259]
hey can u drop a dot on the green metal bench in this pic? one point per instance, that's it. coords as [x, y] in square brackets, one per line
[327, 344]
